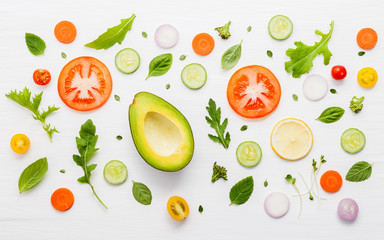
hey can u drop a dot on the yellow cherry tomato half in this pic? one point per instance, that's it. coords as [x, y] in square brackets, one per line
[20, 143]
[178, 208]
[367, 77]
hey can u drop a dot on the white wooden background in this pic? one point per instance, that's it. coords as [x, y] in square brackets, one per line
[31, 216]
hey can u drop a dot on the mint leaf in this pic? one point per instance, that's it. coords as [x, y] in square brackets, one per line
[241, 191]
[113, 35]
[359, 172]
[214, 122]
[35, 44]
[303, 55]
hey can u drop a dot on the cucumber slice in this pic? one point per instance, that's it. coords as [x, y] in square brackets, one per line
[127, 60]
[248, 153]
[194, 76]
[115, 172]
[280, 27]
[352, 140]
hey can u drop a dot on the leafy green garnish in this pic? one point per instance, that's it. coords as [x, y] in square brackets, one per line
[118, 137]
[201, 209]
[356, 104]
[265, 183]
[315, 172]
[24, 99]
[218, 172]
[241, 191]
[113, 35]
[167, 86]
[243, 128]
[359, 172]
[224, 31]
[62, 170]
[269, 53]
[182, 57]
[333, 91]
[35, 44]
[331, 114]
[295, 97]
[33, 174]
[231, 57]
[249, 28]
[144, 34]
[303, 55]
[117, 98]
[63, 55]
[292, 181]
[86, 146]
[160, 65]
[361, 53]
[214, 122]
[141, 193]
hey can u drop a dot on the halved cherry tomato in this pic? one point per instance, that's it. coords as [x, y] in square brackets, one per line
[367, 77]
[41, 76]
[253, 91]
[20, 143]
[84, 84]
[178, 208]
[339, 72]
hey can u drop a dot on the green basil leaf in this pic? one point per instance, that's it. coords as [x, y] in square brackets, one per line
[241, 191]
[331, 114]
[113, 35]
[333, 91]
[33, 174]
[359, 172]
[117, 98]
[231, 57]
[160, 65]
[35, 44]
[144, 34]
[167, 86]
[182, 57]
[295, 97]
[249, 28]
[141, 193]
[361, 53]
[269, 53]
[63, 55]
[265, 183]
[243, 128]
[201, 209]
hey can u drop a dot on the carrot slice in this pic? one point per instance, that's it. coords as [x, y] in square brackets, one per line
[62, 199]
[203, 44]
[331, 181]
[65, 32]
[366, 38]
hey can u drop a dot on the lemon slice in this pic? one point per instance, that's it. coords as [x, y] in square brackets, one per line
[291, 139]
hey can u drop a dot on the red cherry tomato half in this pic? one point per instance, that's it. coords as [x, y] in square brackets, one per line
[41, 76]
[339, 72]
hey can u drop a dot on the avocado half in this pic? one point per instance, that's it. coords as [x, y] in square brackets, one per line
[162, 135]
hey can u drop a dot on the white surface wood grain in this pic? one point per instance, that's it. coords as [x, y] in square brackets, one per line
[31, 216]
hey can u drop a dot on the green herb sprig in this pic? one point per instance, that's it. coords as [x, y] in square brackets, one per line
[292, 181]
[218, 172]
[24, 99]
[214, 122]
[356, 104]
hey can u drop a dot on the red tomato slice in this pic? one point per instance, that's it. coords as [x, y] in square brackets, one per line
[41, 76]
[253, 91]
[84, 84]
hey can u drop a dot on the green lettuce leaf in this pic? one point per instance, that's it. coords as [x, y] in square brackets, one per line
[302, 57]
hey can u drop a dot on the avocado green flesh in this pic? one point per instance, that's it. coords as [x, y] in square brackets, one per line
[162, 135]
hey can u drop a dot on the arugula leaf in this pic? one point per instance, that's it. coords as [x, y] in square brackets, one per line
[359, 172]
[241, 191]
[35, 44]
[331, 114]
[214, 122]
[356, 104]
[24, 99]
[303, 55]
[218, 172]
[113, 35]
[160, 65]
[86, 146]
[141, 193]
[33, 174]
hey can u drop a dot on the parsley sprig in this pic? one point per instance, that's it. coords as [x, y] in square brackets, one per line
[24, 99]
[214, 122]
